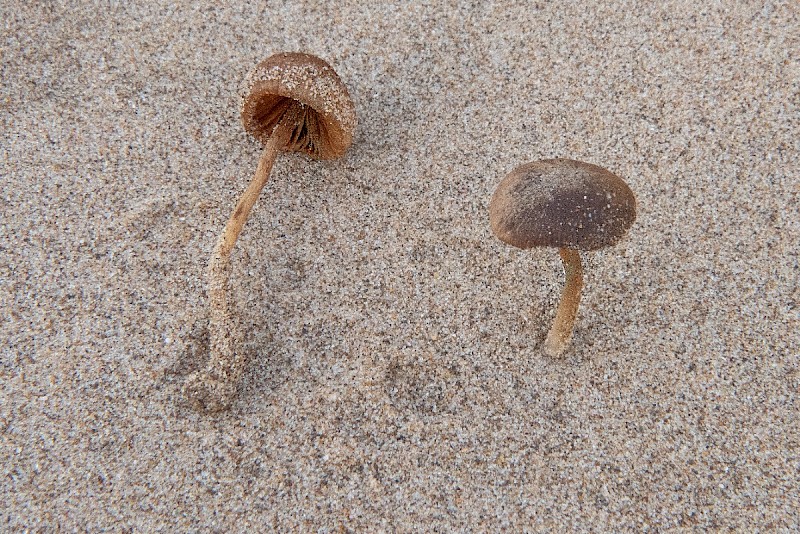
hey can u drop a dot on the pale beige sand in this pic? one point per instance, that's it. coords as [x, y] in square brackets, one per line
[397, 381]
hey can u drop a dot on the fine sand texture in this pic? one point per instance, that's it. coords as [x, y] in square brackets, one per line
[397, 381]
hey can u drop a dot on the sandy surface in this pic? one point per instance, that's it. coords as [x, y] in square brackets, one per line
[397, 381]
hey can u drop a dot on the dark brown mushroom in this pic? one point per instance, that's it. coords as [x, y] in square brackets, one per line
[566, 204]
[292, 102]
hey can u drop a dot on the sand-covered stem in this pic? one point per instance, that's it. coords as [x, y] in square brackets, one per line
[214, 388]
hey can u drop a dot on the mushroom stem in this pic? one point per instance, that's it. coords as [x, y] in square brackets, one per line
[213, 388]
[561, 332]
[246, 202]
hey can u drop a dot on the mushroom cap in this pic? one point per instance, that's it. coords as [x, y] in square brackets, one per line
[329, 117]
[561, 203]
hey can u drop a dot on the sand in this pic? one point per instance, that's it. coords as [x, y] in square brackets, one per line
[396, 379]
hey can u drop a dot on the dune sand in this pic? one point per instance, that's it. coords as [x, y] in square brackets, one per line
[396, 378]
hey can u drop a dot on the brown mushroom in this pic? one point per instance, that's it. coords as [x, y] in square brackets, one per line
[566, 204]
[293, 102]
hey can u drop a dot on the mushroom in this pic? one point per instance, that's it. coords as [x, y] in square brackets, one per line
[566, 204]
[292, 102]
